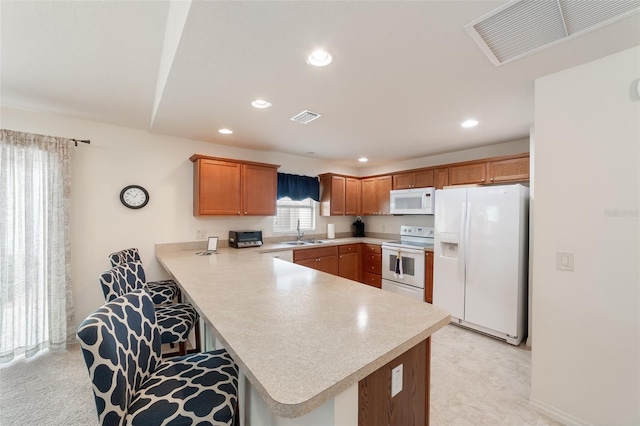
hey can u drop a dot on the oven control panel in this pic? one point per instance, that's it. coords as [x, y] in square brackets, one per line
[416, 231]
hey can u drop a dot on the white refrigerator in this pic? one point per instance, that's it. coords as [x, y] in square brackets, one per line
[481, 258]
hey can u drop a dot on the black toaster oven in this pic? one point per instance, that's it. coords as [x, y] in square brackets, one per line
[243, 239]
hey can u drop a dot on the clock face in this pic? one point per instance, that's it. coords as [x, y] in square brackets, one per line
[134, 196]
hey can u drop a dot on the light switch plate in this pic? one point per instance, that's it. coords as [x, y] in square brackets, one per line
[564, 261]
[396, 380]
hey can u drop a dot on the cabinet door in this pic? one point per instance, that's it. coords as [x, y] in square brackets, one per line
[423, 179]
[216, 188]
[328, 264]
[259, 190]
[369, 196]
[337, 195]
[467, 174]
[428, 277]
[441, 177]
[383, 187]
[515, 169]
[348, 266]
[309, 263]
[403, 181]
[351, 196]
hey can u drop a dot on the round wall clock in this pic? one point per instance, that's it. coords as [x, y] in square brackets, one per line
[134, 196]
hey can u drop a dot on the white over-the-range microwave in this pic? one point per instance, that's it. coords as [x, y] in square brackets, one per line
[412, 201]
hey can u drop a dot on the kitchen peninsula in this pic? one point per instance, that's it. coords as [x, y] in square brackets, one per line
[314, 348]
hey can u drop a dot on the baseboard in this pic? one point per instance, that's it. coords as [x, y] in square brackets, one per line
[554, 413]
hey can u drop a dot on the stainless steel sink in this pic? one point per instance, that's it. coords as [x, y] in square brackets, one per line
[303, 243]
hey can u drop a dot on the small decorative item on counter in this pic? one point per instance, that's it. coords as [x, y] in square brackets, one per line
[358, 227]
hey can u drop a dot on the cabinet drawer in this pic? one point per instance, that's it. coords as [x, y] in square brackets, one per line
[314, 253]
[373, 268]
[373, 257]
[348, 248]
[372, 280]
[373, 248]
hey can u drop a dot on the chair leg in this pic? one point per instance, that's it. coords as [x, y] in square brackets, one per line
[183, 348]
[196, 331]
[236, 414]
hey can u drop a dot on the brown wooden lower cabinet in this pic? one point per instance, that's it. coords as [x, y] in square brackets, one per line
[372, 265]
[349, 261]
[410, 406]
[323, 259]
[428, 276]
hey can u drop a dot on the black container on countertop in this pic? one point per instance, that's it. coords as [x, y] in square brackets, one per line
[358, 226]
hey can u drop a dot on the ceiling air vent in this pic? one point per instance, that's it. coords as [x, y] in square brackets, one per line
[522, 27]
[305, 116]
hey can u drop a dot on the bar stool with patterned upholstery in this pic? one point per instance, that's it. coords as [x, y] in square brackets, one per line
[131, 383]
[175, 320]
[164, 291]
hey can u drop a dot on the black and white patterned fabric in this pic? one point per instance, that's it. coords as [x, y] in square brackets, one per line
[163, 291]
[132, 385]
[175, 320]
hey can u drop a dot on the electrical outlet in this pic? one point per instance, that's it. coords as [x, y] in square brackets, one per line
[396, 380]
[201, 234]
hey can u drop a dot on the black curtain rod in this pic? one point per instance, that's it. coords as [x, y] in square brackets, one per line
[81, 140]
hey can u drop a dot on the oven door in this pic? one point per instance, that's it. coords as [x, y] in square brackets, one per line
[412, 265]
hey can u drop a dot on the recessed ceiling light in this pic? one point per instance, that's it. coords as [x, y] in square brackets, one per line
[225, 131]
[260, 103]
[319, 58]
[469, 123]
[363, 159]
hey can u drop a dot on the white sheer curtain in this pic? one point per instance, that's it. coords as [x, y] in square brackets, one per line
[36, 303]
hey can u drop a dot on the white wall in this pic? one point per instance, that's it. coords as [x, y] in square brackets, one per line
[119, 156]
[586, 356]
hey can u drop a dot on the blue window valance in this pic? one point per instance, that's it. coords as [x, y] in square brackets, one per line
[298, 187]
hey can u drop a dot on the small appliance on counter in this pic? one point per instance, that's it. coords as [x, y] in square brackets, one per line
[358, 227]
[244, 239]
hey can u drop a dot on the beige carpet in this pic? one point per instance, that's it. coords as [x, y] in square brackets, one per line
[52, 388]
[476, 380]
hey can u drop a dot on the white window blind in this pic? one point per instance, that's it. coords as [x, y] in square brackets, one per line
[289, 212]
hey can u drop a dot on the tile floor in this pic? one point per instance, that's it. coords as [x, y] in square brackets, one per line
[478, 380]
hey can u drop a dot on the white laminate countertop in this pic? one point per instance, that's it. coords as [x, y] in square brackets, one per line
[299, 335]
[339, 241]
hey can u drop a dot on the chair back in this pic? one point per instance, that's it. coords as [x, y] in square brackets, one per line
[120, 280]
[121, 348]
[125, 256]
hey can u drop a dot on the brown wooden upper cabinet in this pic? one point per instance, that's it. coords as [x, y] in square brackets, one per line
[512, 169]
[339, 195]
[415, 179]
[441, 177]
[467, 174]
[375, 195]
[230, 187]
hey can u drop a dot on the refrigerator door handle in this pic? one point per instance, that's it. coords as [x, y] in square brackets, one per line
[465, 238]
[462, 246]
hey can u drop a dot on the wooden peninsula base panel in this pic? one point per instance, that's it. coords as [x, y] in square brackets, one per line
[410, 406]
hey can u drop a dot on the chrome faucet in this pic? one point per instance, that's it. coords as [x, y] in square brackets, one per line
[300, 234]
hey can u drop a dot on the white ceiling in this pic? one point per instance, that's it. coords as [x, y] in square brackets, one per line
[405, 74]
